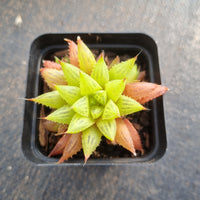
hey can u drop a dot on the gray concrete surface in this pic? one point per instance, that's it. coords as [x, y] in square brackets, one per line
[175, 25]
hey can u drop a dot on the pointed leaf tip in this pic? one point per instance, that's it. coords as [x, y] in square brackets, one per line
[86, 158]
[78, 38]
[85, 57]
[133, 75]
[32, 99]
[101, 55]
[73, 52]
[114, 62]
[51, 65]
[25, 99]
[67, 40]
[57, 60]
[121, 70]
[91, 138]
[138, 54]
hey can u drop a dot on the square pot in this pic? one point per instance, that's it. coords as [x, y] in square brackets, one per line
[119, 43]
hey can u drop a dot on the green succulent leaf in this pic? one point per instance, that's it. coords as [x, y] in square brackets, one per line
[92, 101]
[121, 70]
[91, 139]
[79, 123]
[111, 111]
[133, 75]
[107, 128]
[115, 88]
[85, 57]
[100, 72]
[96, 111]
[69, 93]
[128, 105]
[50, 99]
[100, 96]
[88, 85]
[53, 77]
[81, 106]
[71, 73]
[62, 115]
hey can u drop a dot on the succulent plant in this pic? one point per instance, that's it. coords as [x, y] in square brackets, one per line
[90, 99]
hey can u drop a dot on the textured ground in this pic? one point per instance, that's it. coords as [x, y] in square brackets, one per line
[175, 27]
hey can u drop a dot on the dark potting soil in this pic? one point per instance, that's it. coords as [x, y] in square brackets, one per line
[140, 120]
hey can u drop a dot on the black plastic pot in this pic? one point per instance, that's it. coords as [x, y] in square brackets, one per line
[119, 43]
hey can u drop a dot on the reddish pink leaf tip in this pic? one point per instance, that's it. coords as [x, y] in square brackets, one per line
[147, 109]
[32, 99]
[102, 54]
[42, 69]
[51, 65]
[61, 160]
[44, 118]
[86, 158]
[67, 40]
[50, 155]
